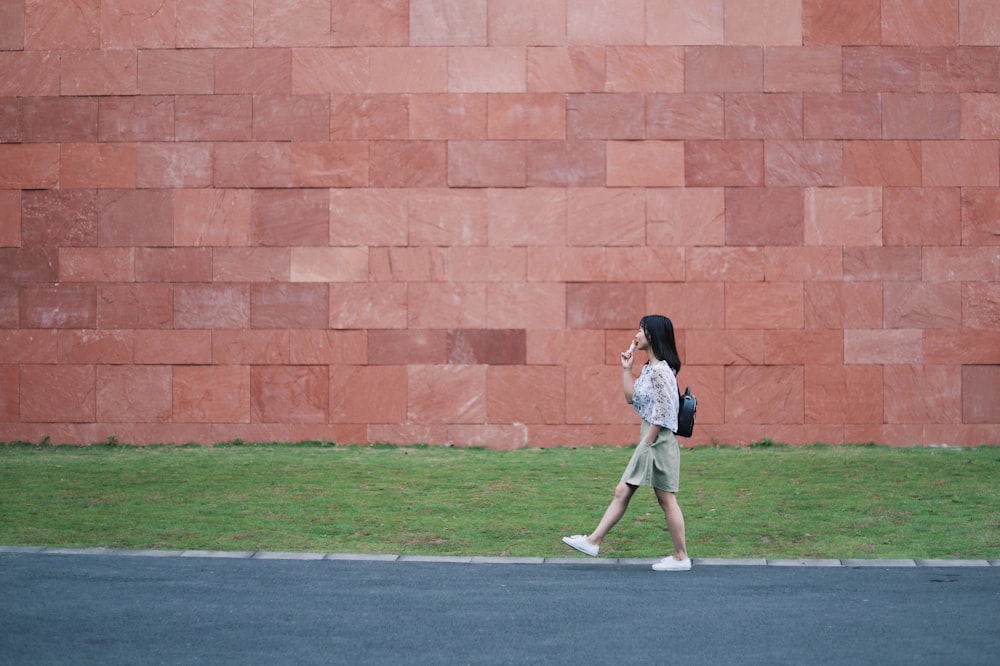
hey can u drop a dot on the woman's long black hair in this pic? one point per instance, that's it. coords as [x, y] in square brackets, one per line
[660, 332]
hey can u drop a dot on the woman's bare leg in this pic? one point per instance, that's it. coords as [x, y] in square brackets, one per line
[614, 512]
[675, 521]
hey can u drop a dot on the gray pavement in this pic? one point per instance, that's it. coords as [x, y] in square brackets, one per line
[82, 606]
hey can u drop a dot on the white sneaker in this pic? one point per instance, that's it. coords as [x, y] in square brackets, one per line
[579, 541]
[670, 564]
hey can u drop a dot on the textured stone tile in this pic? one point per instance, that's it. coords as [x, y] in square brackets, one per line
[408, 347]
[614, 116]
[288, 305]
[767, 305]
[523, 217]
[769, 22]
[211, 305]
[763, 116]
[482, 69]
[685, 216]
[214, 23]
[922, 394]
[88, 165]
[290, 217]
[487, 164]
[130, 24]
[409, 70]
[684, 23]
[605, 21]
[980, 305]
[59, 305]
[843, 216]
[486, 346]
[526, 22]
[803, 163]
[803, 69]
[526, 116]
[446, 305]
[565, 163]
[51, 24]
[60, 119]
[408, 164]
[135, 218]
[981, 394]
[882, 347]
[724, 163]
[935, 23]
[99, 73]
[29, 73]
[212, 217]
[603, 305]
[173, 165]
[841, 22]
[540, 305]
[961, 163]
[980, 216]
[881, 69]
[141, 393]
[369, 305]
[291, 117]
[723, 69]
[651, 263]
[211, 394]
[843, 394]
[747, 223]
[922, 216]
[58, 393]
[368, 217]
[9, 393]
[959, 69]
[128, 119]
[87, 264]
[842, 116]
[449, 394]
[12, 20]
[803, 264]
[921, 116]
[685, 116]
[723, 348]
[447, 116]
[305, 23]
[315, 347]
[143, 306]
[512, 398]
[251, 347]
[979, 23]
[883, 163]
[923, 305]
[573, 69]
[184, 72]
[263, 70]
[444, 22]
[213, 117]
[289, 394]
[380, 116]
[843, 305]
[696, 304]
[645, 69]
[645, 163]
[329, 264]
[602, 217]
[782, 404]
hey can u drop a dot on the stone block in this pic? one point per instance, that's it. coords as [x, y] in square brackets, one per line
[446, 394]
[291, 117]
[540, 305]
[253, 164]
[645, 69]
[181, 72]
[883, 347]
[134, 393]
[724, 264]
[213, 117]
[871, 263]
[58, 393]
[923, 394]
[134, 118]
[289, 394]
[256, 264]
[447, 217]
[409, 264]
[487, 164]
[981, 394]
[605, 22]
[135, 218]
[329, 264]
[251, 347]
[211, 305]
[369, 217]
[606, 116]
[783, 403]
[979, 23]
[604, 305]
[259, 70]
[841, 22]
[291, 217]
[765, 216]
[29, 166]
[99, 73]
[842, 116]
[408, 164]
[139, 306]
[211, 394]
[690, 305]
[922, 216]
[173, 165]
[447, 116]
[59, 305]
[205, 24]
[60, 119]
[843, 305]
[645, 163]
[526, 116]
[804, 347]
[572, 69]
[764, 116]
[980, 116]
[374, 394]
[212, 217]
[91, 264]
[980, 216]
[106, 166]
[482, 69]
[605, 217]
[961, 163]
[594, 397]
[923, 305]
[934, 24]
[565, 163]
[486, 346]
[526, 217]
[12, 21]
[803, 163]
[922, 116]
[368, 305]
[288, 305]
[803, 69]
[685, 216]
[769, 22]
[536, 23]
[29, 346]
[315, 347]
[405, 70]
[877, 69]
[981, 305]
[363, 117]
[487, 264]
[306, 23]
[969, 347]
[435, 23]
[848, 216]
[10, 392]
[843, 394]
[803, 264]
[685, 23]
[959, 70]
[722, 348]
[49, 24]
[764, 305]
[724, 163]
[512, 395]
[723, 69]
[651, 263]
[143, 24]
[685, 116]
[10, 218]
[446, 305]
[408, 347]
[29, 73]
[883, 163]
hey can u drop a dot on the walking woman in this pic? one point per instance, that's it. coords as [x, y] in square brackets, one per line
[656, 461]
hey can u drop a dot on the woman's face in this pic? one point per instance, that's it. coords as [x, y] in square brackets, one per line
[643, 340]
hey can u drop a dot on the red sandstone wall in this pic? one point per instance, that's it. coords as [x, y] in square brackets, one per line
[440, 220]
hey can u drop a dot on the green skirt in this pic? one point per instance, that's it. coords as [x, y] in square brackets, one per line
[658, 465]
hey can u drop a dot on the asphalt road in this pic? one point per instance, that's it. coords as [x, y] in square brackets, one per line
[116, 609]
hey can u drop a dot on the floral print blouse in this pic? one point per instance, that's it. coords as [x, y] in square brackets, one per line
[655, 395]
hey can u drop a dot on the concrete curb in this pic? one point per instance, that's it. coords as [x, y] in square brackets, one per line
[452, 559]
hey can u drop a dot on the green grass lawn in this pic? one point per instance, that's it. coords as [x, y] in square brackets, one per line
[766, 501]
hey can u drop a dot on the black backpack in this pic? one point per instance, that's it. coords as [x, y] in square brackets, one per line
[685, 415]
